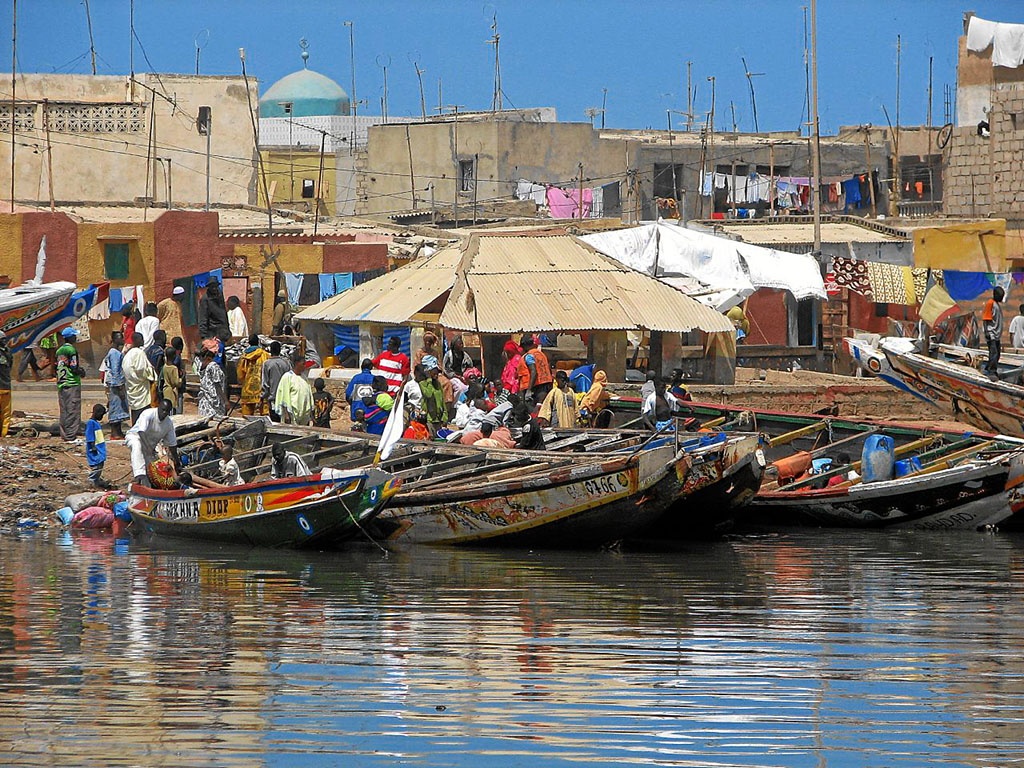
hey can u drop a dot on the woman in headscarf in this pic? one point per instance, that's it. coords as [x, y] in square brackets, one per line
[510, 373]
[594, 405]
[429, 348]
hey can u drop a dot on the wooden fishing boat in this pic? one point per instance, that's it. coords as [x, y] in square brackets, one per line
[954, 479]
[25, 308]
[960, 486]
[599, 487]
[872, 360]
[318, 511]
[961, 390]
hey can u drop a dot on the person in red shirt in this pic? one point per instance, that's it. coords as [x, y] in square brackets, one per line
[128, 322]
[393, 365]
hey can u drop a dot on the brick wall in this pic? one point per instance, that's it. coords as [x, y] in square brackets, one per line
[984, 176]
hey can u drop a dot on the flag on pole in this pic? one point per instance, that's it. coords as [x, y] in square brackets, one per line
[393, 429]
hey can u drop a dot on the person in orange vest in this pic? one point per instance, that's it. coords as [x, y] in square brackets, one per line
[534, 371]
[992, 316]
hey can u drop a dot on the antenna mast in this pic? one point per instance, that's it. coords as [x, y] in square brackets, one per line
[92, 45]
[423, 102]
[750, 84]
[689, 96]
[496, 104]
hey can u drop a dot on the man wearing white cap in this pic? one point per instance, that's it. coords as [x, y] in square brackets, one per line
[168, 312]
[69, 386]
[6, 363]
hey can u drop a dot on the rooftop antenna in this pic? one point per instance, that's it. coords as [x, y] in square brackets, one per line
[930, 60]
[591, 112]
[419, 77]
[750, 83]
[92, 45]
[384, 98]
[202, 38]
[604, 105]
[495, 39]
[690, 94]
[732, 108]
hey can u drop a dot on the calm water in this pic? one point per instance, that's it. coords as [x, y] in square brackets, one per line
[807, 649]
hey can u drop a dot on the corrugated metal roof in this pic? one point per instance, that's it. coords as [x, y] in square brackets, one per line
[558, 282]
[394, 297]
[788, 233]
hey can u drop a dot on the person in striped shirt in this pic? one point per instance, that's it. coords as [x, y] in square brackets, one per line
[393, 365]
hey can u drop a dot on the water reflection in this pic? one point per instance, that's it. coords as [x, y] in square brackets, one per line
[811, 649]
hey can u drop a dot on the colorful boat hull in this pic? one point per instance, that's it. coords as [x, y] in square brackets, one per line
[962, 392]
[974, 496]
[318, 511]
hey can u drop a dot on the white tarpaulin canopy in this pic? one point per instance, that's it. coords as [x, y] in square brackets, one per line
[667, 250]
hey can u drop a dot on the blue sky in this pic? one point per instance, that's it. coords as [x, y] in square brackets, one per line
[553, 52]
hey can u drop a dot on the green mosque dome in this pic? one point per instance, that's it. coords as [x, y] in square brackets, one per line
[310, 94]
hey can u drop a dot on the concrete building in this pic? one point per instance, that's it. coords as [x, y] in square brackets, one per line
[472, 165]
[464, 165]
[113, 139]
[984, 151]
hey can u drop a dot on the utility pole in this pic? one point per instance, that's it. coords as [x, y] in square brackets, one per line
[49, 155]
[732, 107]
[867, 158]
[711, 142]
[581, 191]
[288, 108]
[204, 124]
[771, 178]
[476, 171]
[604, 105]
[384, 97]
[894, 204]
[14, 87]
[816, 156]
[319, 181]
[352, 97]
[412, 178]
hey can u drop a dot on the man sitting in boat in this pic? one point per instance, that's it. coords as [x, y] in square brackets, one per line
[658, 408]
[153, 428]
[286, 463]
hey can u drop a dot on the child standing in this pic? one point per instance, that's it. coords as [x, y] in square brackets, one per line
[323, 402]
[96, 446]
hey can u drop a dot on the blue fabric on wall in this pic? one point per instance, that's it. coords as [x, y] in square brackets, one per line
[326, 285]
[342, 281]
[964, 286]
[293, 284]
[346, 336]
[203, 278]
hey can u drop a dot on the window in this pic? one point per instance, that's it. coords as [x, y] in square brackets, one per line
[307, 188]
[668, 180]
[115, 261]
[467, 174]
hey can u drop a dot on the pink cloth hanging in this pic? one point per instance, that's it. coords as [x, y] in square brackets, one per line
[566, 204]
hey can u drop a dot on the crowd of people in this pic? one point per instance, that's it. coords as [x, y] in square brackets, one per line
[442, 390]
